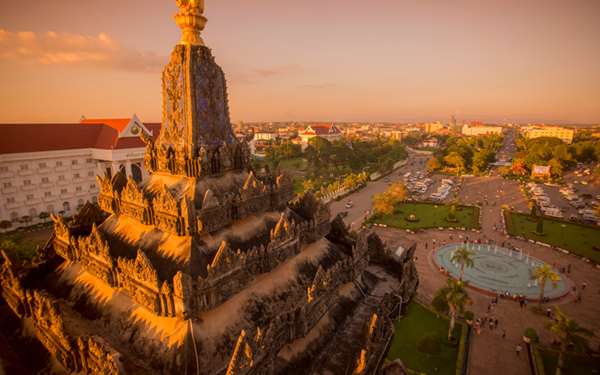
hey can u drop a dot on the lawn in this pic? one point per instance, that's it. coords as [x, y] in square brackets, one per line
[293, 162]
[429, 216]
[576, 238]
[575, 365]
[412, 328]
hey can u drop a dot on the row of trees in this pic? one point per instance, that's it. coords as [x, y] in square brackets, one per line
[474, 153]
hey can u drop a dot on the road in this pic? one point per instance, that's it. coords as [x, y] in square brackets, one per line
[362, 199]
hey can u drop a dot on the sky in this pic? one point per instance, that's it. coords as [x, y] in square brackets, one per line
[311, 60]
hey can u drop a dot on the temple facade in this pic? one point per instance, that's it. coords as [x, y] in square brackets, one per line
[203, 267]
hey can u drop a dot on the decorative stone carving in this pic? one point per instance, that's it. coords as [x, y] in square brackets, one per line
[94, 254]
[12, 287]
[134, 204]
[167, 215]
[242, 357]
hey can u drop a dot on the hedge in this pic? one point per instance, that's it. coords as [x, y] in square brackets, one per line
[538, 361]
[461, 349]
[475, 221]
[510, 228]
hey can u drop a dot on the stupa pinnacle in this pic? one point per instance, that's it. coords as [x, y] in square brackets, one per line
[204, 267]
[191, 21]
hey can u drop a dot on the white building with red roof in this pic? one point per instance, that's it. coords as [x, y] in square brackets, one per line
[327, 131]
[53, 167]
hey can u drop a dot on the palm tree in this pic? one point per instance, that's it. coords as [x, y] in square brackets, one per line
[455, 294]
[569, 331]
[544, 274]
[463, 255]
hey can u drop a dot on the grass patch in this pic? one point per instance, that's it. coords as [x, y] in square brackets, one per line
[429, 216]
[412, 328]
[579, 365]
[578, 239]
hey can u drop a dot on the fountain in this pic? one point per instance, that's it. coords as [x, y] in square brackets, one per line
[498, 271]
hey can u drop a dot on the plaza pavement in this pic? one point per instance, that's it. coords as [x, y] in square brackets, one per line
[488, 354]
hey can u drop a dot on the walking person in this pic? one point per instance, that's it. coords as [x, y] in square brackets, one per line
[425, 245]
[583, 285]
[519, 349]
[503, 335]
[496, 323]
[491, 324]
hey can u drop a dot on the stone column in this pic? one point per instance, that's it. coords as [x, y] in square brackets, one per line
[127, 168]
[114, 167]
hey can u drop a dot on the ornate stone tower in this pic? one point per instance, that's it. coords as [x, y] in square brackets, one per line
[202, 268]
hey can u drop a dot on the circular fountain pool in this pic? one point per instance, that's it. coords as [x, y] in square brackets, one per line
[497, 269]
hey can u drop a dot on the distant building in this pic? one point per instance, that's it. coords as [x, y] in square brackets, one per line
[251, 144]
[456, 128]
[480, 130]
[53, 167]
[433, 127]
[327, 131]
[265, 136]
[396, 134]
[565, 135]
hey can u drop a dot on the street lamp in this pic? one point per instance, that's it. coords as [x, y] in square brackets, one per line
[435, 209]
[561, 229]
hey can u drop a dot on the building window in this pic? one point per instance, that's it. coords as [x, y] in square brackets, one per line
[76, 175]
[61, 178]
[42, 165]
[59, 163]
[63, 191]
[26, 182]
[24, 167]
[33, 213]
[89, 161]
[90, 174]
[7, 185]
[93, 186]
[3, 169]
[50, 209]
[14, 217]
[73, 162]
[10, 200]
[66, 207]
[78, 188]
[45, 180]
[47, 194]
[29, 197]
[80, 202]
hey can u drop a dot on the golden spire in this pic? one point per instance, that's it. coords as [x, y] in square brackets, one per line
[191, 21]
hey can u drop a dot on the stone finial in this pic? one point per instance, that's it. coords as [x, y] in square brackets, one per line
[191, 21]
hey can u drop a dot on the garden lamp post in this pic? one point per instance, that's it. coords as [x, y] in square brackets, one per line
[435, 209]
[562, 229]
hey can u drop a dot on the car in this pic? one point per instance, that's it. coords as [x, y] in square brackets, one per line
[349, 204]
[586, 196]
[575, 182]
[386, 180]
[583, 182]
[343, 213]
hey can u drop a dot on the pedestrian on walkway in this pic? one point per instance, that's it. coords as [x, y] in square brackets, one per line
[496, 323]
[503, 335]
[583, 285]
[519, 349]
[425, 245]
[491, 324]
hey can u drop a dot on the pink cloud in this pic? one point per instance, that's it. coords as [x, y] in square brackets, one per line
[102, 52]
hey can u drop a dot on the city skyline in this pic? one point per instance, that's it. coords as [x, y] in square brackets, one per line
[312, 61]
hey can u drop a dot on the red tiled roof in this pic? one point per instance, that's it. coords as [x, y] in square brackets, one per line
[475, 123]
[18, 138]
[115, 123]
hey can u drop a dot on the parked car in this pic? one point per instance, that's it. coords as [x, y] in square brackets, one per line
[343, 213]
[349, 204]
[586, 196]
[386, 179]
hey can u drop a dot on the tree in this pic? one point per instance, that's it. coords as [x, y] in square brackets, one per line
[540, 226]
[570, 332]
[434, 164]
[309, 185]
[25, 219]
[383, 204]
[5, 224]
[463, 255]
[429, 345]
[440, 304]
[452, 213]
[544, 274]
[456, 295]
[44, 215]
[456, 160]
[18, 245]
[456, 201]
[533, 215]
